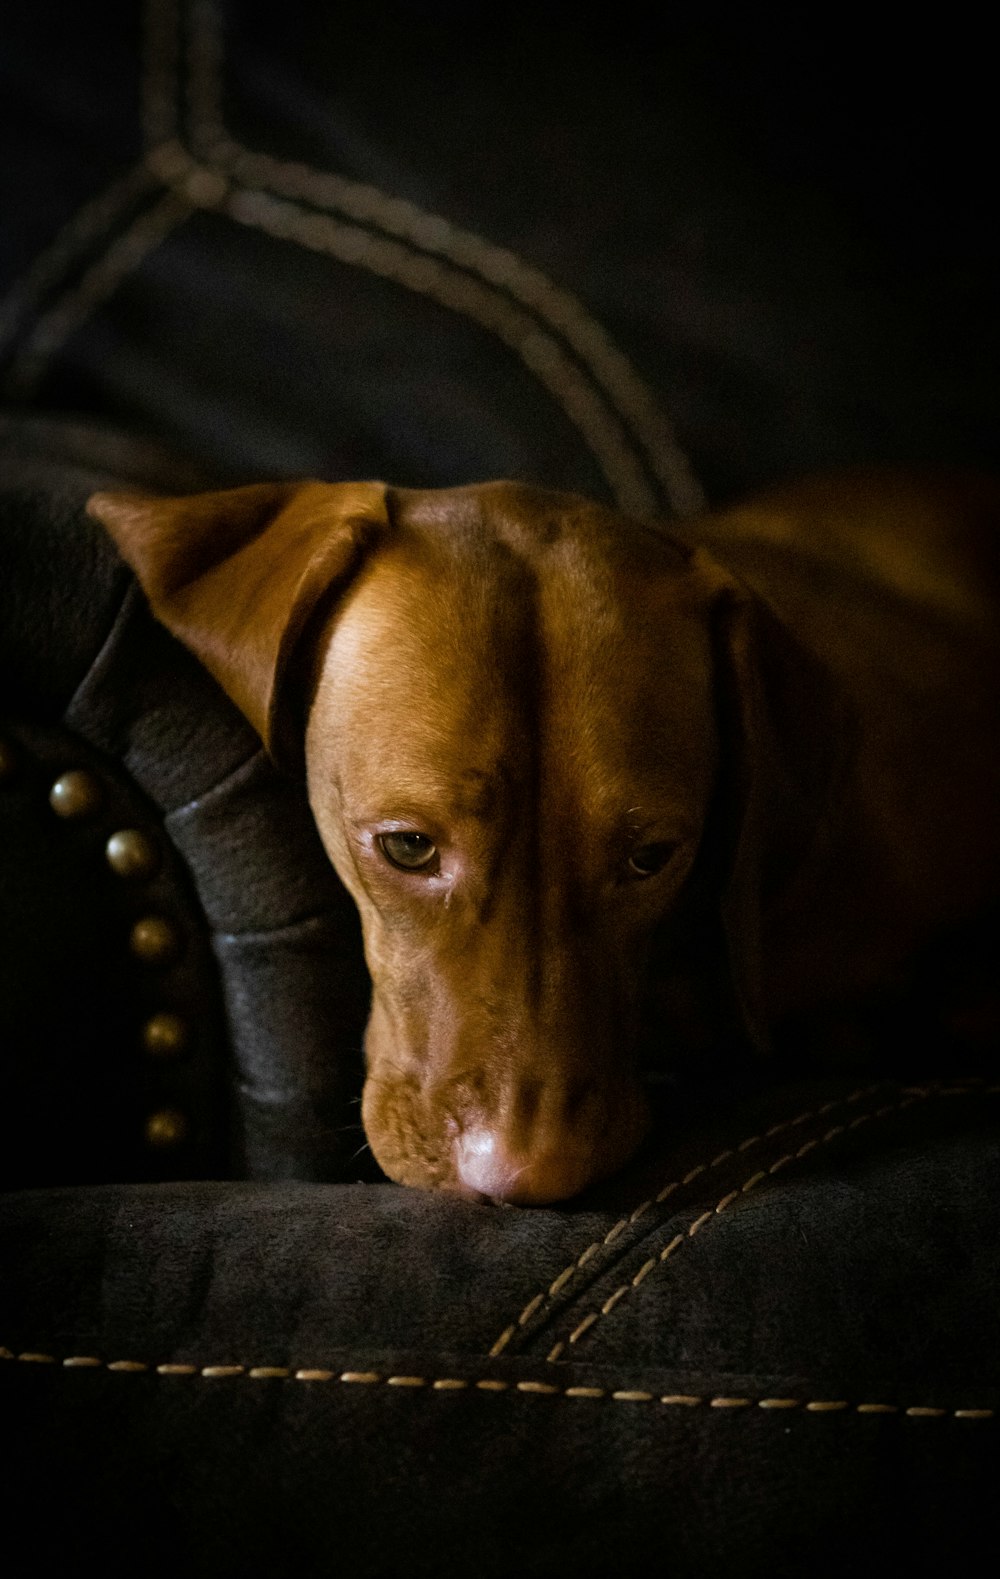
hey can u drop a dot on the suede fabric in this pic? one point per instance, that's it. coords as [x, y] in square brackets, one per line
[410, 245]
[293, 1379]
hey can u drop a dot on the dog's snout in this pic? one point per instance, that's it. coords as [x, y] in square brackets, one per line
[486, 1166]
[554, 1159]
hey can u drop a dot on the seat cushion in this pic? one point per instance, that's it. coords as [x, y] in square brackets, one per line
[773, 1353]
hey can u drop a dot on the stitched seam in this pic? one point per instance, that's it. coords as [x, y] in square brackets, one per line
[590, 392]
[563, 313]
[232, 780]
[722, 1402]
[207, 187]
[120, 256]
[222, 162]
[88, 226]
[123, 613]
[303, 928]
[565, 1276]
[160, 71]
[667, 1251]
[217, 183]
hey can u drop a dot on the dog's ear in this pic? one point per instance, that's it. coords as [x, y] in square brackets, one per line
[237, 574]
[785, 732]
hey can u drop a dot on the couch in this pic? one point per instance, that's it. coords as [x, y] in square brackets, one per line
[250, 245]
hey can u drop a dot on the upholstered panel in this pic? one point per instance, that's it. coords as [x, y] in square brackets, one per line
[763, 1360]
[234, 924]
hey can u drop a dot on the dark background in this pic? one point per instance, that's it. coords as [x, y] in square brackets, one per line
[787, 227]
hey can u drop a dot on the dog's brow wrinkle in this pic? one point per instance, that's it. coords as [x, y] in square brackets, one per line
[478, 791]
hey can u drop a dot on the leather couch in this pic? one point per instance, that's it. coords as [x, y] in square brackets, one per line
[250, 245]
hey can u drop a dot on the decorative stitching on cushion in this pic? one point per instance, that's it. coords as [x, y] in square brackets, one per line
[564, 314]
[83, 231]
[596, 386]
[568, 1272]
[160, 71]
[593, 383]
[486, 1384]
[100, 282]
[888, 1110]
[455, 289]
[119, 257]
[471, 299]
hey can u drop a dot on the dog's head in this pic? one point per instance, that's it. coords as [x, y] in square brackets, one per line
[508, 706]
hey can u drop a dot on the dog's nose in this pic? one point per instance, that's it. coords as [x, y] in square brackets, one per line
[486, 1166]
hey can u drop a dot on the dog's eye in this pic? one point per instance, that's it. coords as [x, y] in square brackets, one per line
[411, 852]
[649, 859]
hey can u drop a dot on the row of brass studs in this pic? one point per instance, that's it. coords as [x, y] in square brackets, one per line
[133, 856]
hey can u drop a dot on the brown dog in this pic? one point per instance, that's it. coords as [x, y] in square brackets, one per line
[537, 737]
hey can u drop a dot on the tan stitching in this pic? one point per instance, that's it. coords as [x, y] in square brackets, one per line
[502, 1342]
[121, 256]
[204, 84]
[530, 1308]
[643, 1271]
[470, 298]
[630, 399]
[84, 230]
[913, 1095]
[99, 214]
[705, 1217]
[596, 386]
[98, 284]
[619, 1227]
[492, 1384]
[160, 71]
[563, 1277]
[606, 1308]
[587, 1321]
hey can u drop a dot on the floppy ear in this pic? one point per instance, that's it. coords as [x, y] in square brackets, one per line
[785, 731]
[237, 574]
